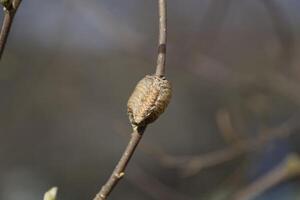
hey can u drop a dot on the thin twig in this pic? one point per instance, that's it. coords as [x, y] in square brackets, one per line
[136, 136]
[118, 172]
[145, 181]
[9, 14]
[162, 43]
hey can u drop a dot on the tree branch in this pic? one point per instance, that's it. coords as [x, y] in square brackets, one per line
[9, 14]
[162, 42]
[139, 129]
[118, 172]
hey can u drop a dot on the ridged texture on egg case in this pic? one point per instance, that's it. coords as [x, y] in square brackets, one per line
[148, 100]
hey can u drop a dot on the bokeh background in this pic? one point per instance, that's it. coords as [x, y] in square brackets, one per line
[232, 127]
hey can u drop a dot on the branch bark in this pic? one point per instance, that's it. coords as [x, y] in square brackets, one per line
[162, 38]
[136, 136]
[118, 172]
[9, 14]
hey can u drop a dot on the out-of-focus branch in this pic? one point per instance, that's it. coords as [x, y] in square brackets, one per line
[289, 168]
[162, 38]
[212, 24]
[282, 29]
[224, 122]
[285, 86]
[10, 9]
[272, 80]
[152, 186]
[192, 165]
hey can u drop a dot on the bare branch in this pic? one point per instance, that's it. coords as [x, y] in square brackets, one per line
[9, 14]
[118, 172]
[162, 43]
[140, 126]
[139, 129]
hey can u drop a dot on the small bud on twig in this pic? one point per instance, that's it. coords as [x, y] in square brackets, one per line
[51, 194]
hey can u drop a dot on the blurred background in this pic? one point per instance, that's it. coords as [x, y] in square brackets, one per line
[230, 132]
